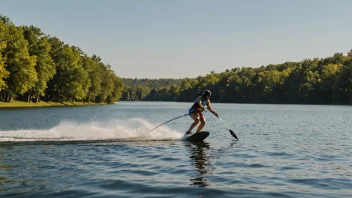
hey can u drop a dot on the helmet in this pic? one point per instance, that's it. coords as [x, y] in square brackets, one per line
[206, 93]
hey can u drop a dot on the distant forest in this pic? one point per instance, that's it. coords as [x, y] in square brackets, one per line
[35, 66]
[310, 81]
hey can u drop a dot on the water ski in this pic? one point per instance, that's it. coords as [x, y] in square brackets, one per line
[198, 137]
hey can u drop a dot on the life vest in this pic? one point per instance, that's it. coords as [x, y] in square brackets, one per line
[196, 105]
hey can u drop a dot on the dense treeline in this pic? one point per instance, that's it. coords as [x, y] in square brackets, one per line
[162, 89]
[311, 81]
[35, 66]
[153, 83]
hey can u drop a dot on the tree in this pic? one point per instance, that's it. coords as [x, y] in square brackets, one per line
[107, 83]
[117, 90]
[342, 88]
[70, 77]
[19, 64]
[329, 74]
[3, 37]
[40, 47]
[94, 80]
[6, 20]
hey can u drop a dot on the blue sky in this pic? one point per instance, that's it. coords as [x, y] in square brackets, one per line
[188, 38]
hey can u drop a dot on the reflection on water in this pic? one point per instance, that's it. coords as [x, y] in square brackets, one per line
[200, 160]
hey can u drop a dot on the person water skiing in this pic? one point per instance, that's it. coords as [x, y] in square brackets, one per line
[195, 112]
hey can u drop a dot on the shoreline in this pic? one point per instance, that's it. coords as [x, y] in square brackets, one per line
[21, 104]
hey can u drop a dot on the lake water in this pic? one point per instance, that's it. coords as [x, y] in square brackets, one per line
[102, 151]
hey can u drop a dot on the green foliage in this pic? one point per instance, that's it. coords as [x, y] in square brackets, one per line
[5, 20]
[93, 81]
[3, 41]
[151, 83]
[107, 84]
[342, 88]
[69, 81]
[33, 64]
[150, 89]
[310, 81]
[117, 90]
[40, 47]
[19, 63]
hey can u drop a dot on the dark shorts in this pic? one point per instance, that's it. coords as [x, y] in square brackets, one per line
[199, 113]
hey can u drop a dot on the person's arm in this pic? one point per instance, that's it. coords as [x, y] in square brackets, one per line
[211, 109]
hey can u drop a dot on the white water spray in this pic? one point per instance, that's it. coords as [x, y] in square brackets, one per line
[133, 129]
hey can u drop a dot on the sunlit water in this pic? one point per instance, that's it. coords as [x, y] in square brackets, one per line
[106, 151]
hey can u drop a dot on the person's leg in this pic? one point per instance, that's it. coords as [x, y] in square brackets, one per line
[202, 123]
[195, 118]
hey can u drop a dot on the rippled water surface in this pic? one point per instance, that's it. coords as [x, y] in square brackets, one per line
[105, 151]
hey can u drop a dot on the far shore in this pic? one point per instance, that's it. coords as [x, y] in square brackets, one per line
[21, 104]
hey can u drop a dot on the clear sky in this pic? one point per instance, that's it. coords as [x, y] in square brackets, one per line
[188, 38]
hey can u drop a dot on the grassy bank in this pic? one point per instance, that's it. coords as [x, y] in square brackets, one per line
[18, 104]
